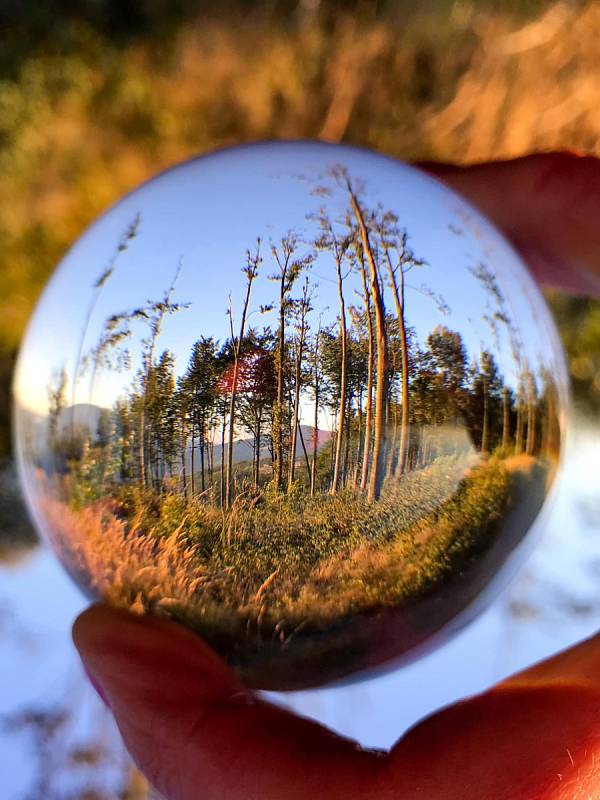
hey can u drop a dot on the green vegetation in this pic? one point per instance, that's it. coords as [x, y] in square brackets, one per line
[285, 569]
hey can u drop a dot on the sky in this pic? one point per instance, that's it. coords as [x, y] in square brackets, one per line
[204, 214]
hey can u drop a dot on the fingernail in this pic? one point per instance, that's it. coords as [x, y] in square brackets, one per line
[97, 687]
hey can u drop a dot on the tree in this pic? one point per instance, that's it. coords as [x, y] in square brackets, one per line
[289, 267]
[302, 309]
[250, 270]
[129, 234]
[449, 359]
[366, 454]
[506, 405]
[501, 316]
[111, 352]
[400, 260]
[181, 402]
[520, 427]
[484, 404]
[125, 431]
[315, 355]
[256, 390]
[330, 347]
[153, 314]
[224, 361]
[382, 382]
[531, 389]
[198, 391]
[161, 418]
[338, 246]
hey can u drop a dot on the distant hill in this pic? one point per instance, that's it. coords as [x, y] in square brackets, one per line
[84, 415]
[242, 448]
[87, 416]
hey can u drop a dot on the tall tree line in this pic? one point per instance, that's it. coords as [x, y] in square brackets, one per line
[387, 393]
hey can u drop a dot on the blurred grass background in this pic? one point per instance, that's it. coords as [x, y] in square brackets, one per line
[97, 95]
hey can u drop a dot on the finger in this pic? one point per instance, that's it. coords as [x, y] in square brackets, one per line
[197, 733]
[579, 666]
[548, 206]
[534, 736]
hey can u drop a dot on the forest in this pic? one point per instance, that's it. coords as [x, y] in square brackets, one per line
[393, 400]
[219, 480]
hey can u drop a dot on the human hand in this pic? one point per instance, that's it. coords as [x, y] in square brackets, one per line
[547, 205]
[196, 732]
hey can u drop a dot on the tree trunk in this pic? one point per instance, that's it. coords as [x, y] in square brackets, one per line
[202, 482]
[343, 380]
[141, 448]
[183, 471]
[347, 450]
[381, 386]
[332, 453]
[304, 450]
[223, 426]
[399, 293]
[313, 471]
[370, 368]
[505, 419]
[520, 424]
[234, 382]
[295, 419]
[278, 415]
[392, 416]
[149, 361]
[531, 417]
[358, 442]
[485, 431]
[258, 437]
[193, 447]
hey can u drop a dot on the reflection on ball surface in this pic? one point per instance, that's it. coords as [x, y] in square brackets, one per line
[298, 397]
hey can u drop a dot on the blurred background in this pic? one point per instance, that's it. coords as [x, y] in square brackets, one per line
[98, 95]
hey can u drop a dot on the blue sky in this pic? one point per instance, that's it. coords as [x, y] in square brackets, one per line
[207, 212]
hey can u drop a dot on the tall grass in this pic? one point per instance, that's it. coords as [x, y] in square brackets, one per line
[308, 560]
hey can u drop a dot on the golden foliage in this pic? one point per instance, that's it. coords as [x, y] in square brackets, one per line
[309, 559]
[81, 128]
[532, 88]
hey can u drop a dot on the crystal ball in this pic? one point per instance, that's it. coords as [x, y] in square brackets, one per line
[300, 398]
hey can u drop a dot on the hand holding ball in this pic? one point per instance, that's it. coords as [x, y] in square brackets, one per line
[300, 398]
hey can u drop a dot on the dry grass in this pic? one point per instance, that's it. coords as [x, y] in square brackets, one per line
[296, 590]
[81, 128]
[310, 561]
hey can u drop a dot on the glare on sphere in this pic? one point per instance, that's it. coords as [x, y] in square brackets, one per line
[298, 397]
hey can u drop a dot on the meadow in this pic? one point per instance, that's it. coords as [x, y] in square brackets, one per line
[289, 588]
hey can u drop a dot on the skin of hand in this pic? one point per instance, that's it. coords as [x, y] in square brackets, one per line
[198, 734]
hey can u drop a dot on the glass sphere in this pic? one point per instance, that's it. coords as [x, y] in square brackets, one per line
[300, 398]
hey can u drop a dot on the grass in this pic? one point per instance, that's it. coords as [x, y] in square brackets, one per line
[295, 574]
